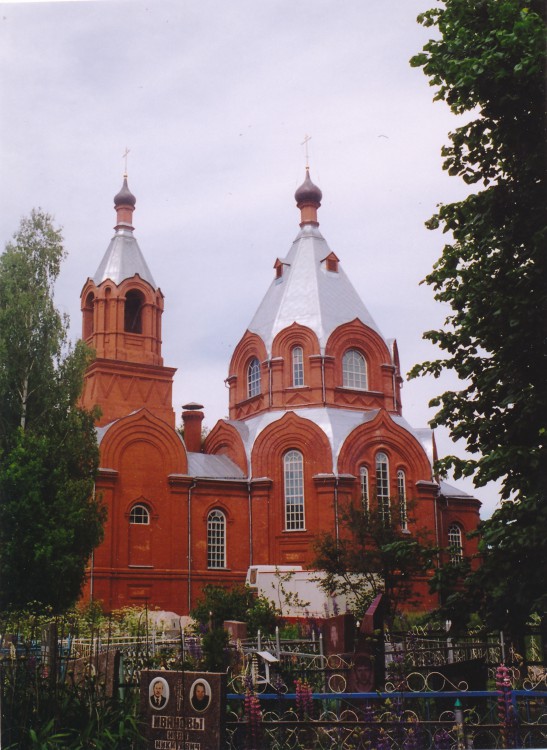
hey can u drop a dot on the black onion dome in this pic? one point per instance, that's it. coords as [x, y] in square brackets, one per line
[125, 197]
[308, 192]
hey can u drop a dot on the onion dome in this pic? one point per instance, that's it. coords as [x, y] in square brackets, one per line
[124, 203]
[308, 199]
[125, 197]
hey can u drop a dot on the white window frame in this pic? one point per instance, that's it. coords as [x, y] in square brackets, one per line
[253, 378]
[401, 492]
[216, 540]
[139, 515]
[354, 370]
[297, 357]
[293, 475]
[365, 496]
[455, 545]
[382, 486]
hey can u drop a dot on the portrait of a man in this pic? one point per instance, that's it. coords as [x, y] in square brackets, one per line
[200, 695]
[159, 693]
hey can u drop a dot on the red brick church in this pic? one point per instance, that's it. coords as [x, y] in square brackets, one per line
[315, 421]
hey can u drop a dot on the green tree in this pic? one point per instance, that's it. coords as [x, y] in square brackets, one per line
[373, 556]
[50, 520]
[488, 64]
[236, 603]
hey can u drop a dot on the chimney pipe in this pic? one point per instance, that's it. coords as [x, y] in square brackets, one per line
[192, 417]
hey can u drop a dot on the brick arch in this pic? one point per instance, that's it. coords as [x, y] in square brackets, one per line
[283, 344]
[218, 503]
[225, 440]
[291, 432]
[249, 347]
[356, 335]
[142, 427]
[383, 434]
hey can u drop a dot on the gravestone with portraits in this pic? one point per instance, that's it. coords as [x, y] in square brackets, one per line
[183, 710]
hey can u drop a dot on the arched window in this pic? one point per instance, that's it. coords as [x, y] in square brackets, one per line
[297, 366]
[134, 302]
[382, 487]
[293, 467]
[401, 493]
[88, 316]
[455, 543]
[354, 370]
[363, 474]
[139, 514]
[216, 539]
[253, 378]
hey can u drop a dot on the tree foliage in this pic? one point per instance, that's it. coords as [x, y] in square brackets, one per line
[372, 557]
[488, 64]
[236, 603]
[49, 519]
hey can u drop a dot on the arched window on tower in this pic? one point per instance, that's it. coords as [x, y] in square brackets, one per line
[455, 543]
[401, 493]
[293, 469]
[88, 316]
[134, 303]
[253, 378]
[297, 366]
[354, 370]
[382, 487]
[216, 539]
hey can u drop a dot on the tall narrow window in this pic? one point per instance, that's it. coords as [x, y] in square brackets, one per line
[293, 466]
[297, 366]
[253, 378]
[401, 492]
[382, 487]
[134, 302]
[216, 539]
[365, 502]
[354, 370]
[88, 316]
[455, 543]
[139, 514]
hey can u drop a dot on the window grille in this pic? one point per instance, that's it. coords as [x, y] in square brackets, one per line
[455, 543]
[354, 370]
[293, 465]
[139, 514]
[216, 539]
[363, 472]
[253, 378]
[297, 366]
[382, 487]
[401, 492]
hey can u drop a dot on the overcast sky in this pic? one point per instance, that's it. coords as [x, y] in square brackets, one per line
[214, 99]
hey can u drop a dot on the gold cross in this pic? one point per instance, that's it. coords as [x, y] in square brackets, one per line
[305, 143]
[124, 156]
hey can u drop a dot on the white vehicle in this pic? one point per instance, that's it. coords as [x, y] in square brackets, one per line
[294, 591]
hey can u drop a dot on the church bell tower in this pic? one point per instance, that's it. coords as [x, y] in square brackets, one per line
[122, 309]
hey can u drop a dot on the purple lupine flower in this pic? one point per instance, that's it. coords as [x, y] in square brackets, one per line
[442, 740]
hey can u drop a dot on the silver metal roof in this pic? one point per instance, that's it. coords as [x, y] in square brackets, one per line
[122, 260]
[213, 467]
[337, 424]
[308, 294]
[447, 490]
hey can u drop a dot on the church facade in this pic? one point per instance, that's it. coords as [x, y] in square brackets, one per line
[315, 422]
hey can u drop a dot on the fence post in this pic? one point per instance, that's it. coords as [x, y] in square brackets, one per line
[458, 715]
